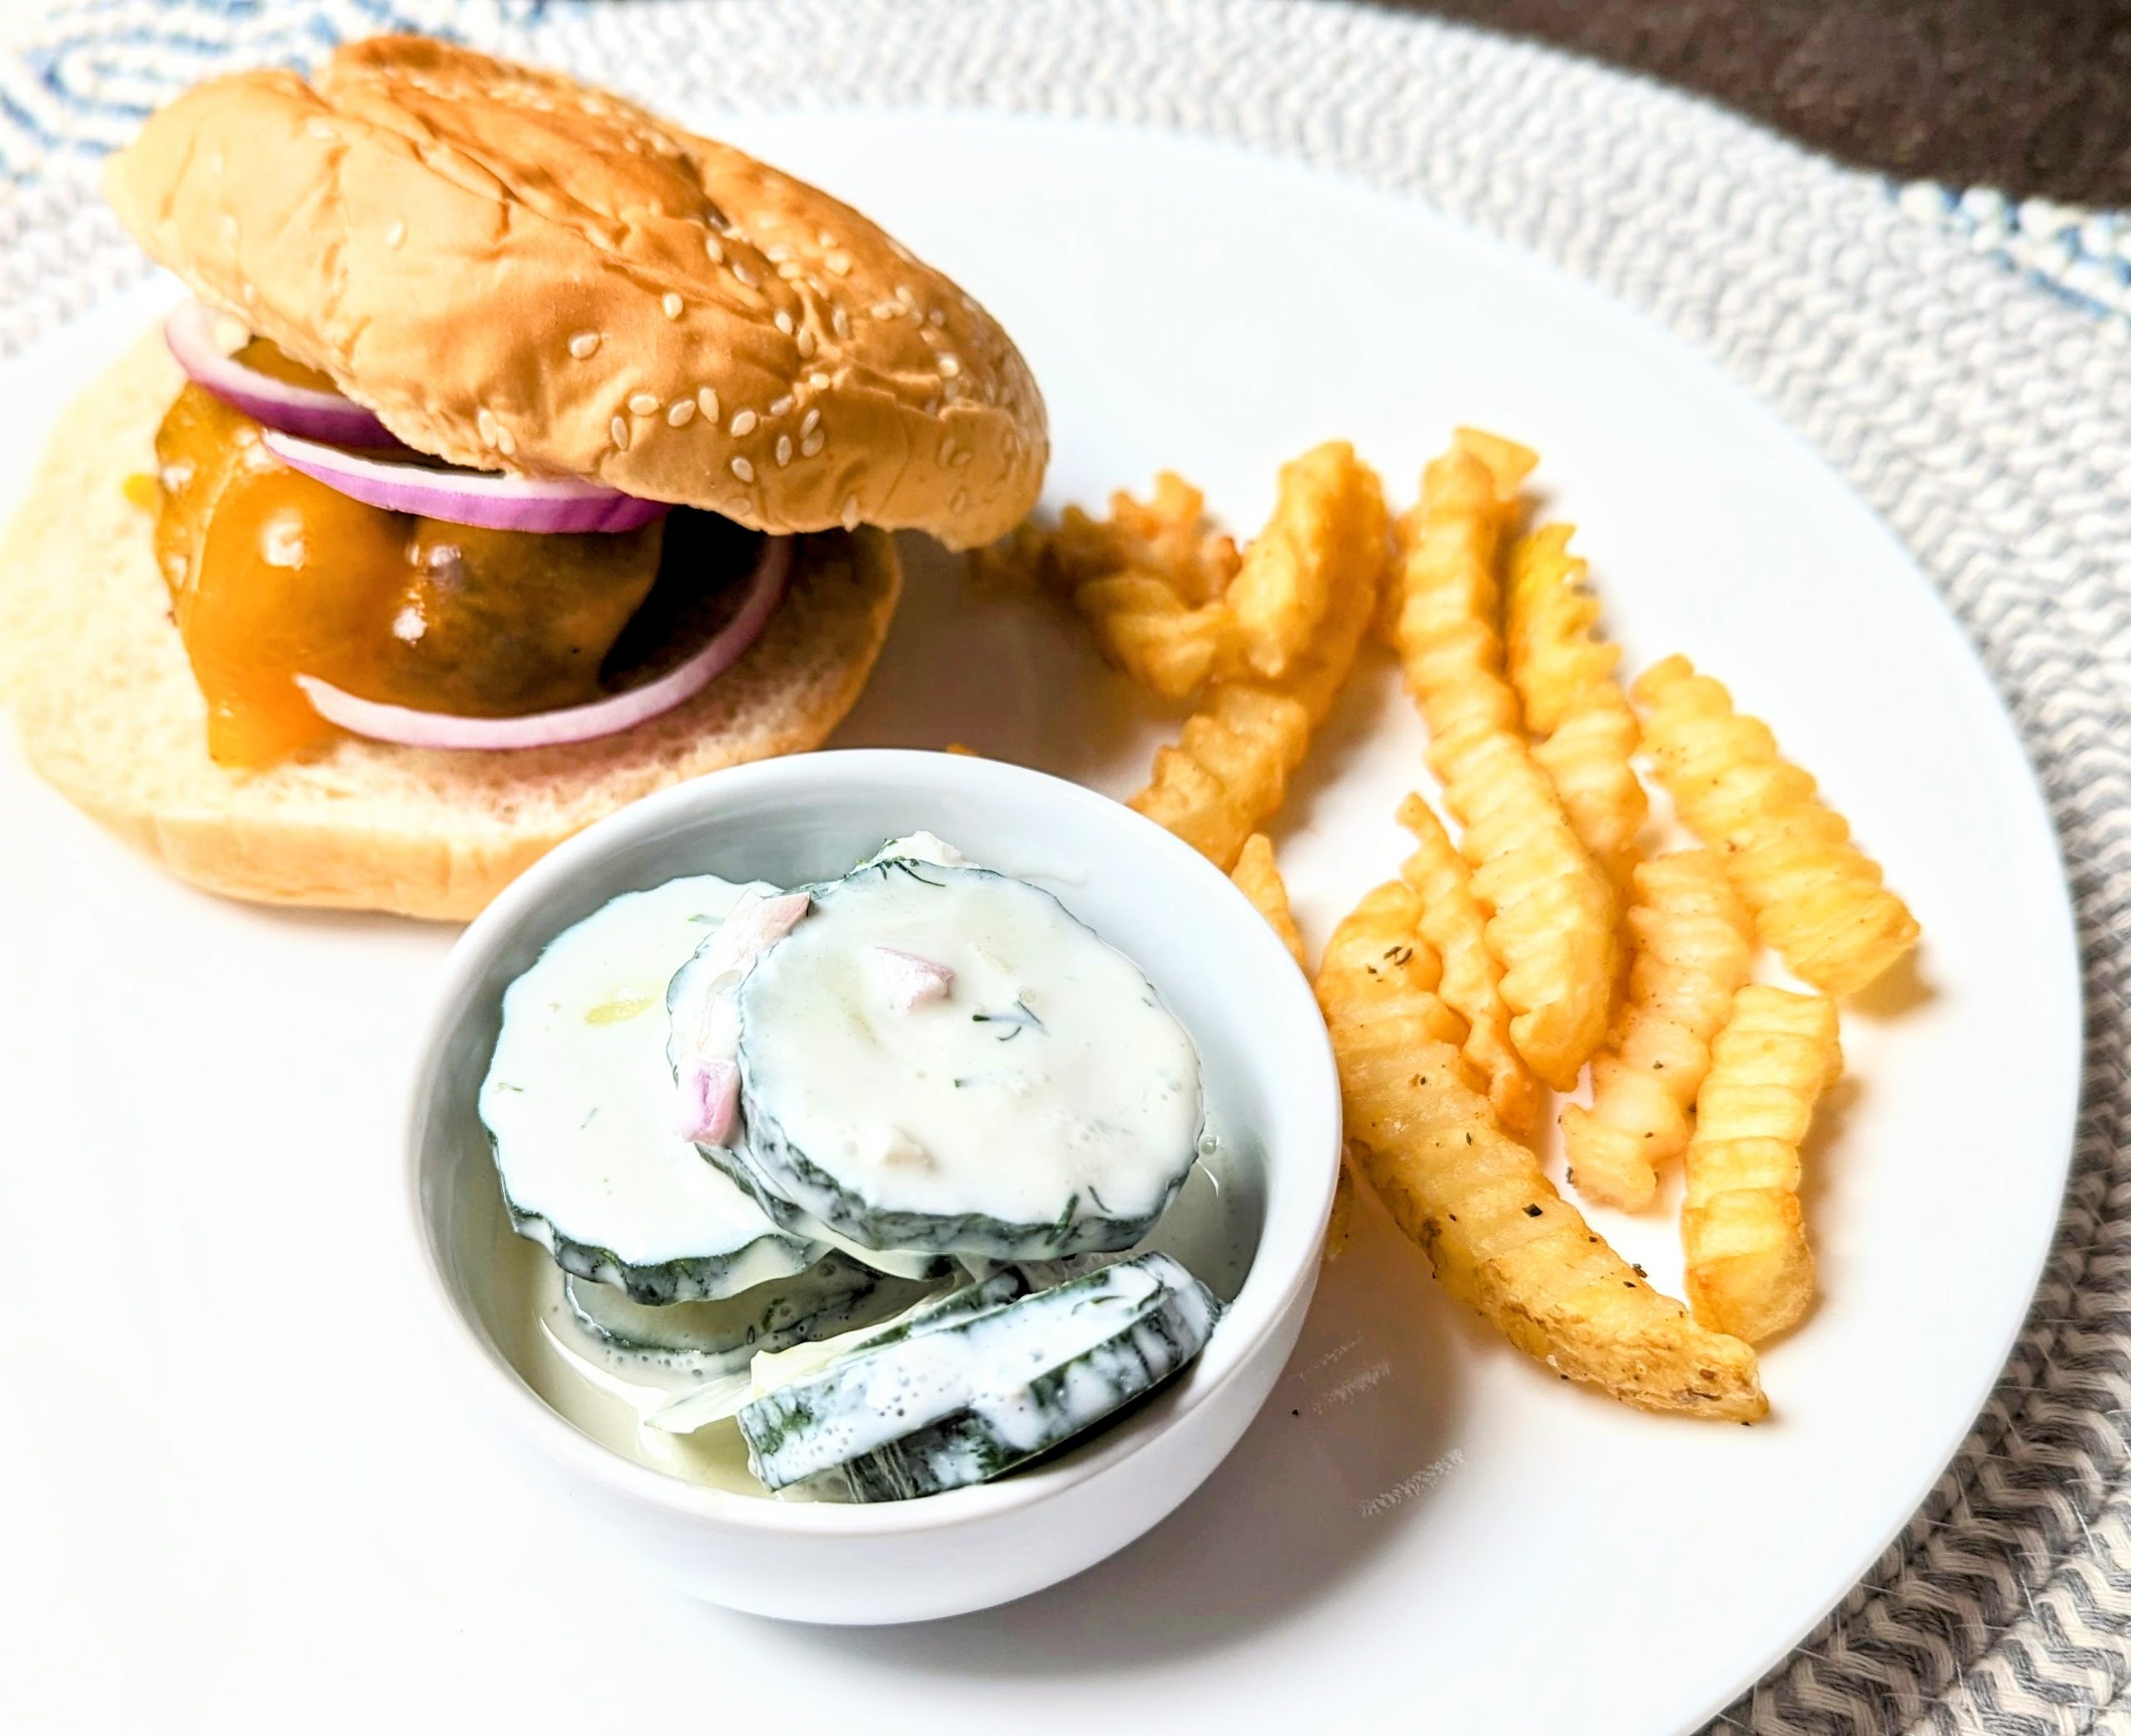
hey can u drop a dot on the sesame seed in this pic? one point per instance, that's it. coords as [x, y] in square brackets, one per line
[809, 423]
[826, 239]
[506, 441]
[396, 234]
[707, 402]
[938, 316]
[783, 450]
[812, 444]
[850, 513]
[784, 322]
[790, 272]
[840, 322]
[743, 422]
[959, 501]
[951, 364]
[620, 430]
[819, 381]
[782, 406]
[715, 248]
[963, 457]
[743, 276]
[642, 403]
[485, 421]
[742, 469]
[905, 295]
[839, 262]
[672, 303]
[806, 342]
[887, 310]
[681, 413]
[584, 344]
[778, 255]
[946, 449]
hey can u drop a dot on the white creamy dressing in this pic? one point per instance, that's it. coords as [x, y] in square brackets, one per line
[1047, 1083]
[581, 1102]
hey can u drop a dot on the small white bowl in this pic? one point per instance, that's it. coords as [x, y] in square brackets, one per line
[1270, 1079]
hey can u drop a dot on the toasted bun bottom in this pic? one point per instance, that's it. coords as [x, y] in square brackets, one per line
[109, 713]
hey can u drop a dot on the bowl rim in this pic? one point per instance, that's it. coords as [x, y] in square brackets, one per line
[1269, 1291]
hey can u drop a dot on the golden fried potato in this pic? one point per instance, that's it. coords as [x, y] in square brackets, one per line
[1229, 771]
[1563, 673]
[1550, 908]
[1452, 922]
[1257, 874]
[1592, 760]
[1816, 898]
[1284, 589]
[1477, 1202]
[1151, 580]
[1750, 1271]
[1444, 601]
[1550, 628]
[1549, 905]
[1692, 948]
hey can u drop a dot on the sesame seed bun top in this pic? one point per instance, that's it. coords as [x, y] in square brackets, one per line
[515, 271]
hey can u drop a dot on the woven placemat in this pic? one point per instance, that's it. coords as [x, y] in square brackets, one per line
[1985, 416]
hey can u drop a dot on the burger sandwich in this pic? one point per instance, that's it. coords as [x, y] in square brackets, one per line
[519, 453]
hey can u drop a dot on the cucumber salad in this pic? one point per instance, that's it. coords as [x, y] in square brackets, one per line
[874, 1181]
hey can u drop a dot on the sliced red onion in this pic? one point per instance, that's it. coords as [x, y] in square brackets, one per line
[710, 1101]
[706, 1025]
[489, 499]
[412, 728]
[317, 414]
[910, 981]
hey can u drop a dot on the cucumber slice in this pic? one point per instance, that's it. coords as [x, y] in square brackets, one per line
[1047, 1105]
[579, 1106]
[975, 1387]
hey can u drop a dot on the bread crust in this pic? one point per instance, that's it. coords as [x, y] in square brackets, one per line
[108, 711]
[515, 271]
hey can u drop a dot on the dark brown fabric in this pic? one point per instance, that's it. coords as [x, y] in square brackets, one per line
[2031, 96]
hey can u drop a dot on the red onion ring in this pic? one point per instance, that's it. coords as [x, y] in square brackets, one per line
[304, 410]
[412, 728]
[488, 499]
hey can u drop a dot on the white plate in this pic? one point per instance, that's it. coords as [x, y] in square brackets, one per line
[229, 1484]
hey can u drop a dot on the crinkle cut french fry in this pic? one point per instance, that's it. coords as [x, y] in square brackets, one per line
[1549, 907]
[1691, 943]
[1452, 922]
[1563, 673]
[1444, 599]
[1477, 1203]
[1150, 579]
[1750, 1271]
[1816, 898]
[1257, 875]
[1228, 773]
[1285, 587]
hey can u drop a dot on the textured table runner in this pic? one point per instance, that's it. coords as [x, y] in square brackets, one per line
[1960, 359]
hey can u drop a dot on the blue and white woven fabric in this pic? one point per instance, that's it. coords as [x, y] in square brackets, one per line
[1959, 359]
